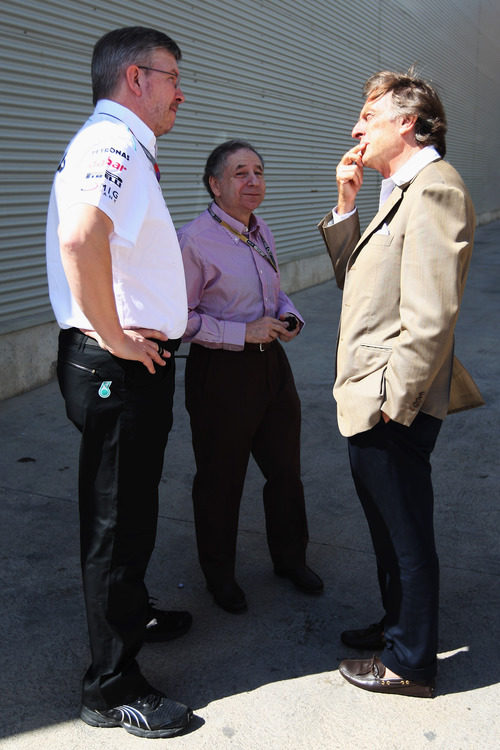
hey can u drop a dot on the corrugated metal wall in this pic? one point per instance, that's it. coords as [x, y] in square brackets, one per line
[285, 74]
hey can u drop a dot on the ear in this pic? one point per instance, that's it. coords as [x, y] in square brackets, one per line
[407, 124]
[132, 78]
[214, 185]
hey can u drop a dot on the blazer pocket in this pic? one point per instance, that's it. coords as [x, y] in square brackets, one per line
[374, 352]
[371, 362]
[380, 239]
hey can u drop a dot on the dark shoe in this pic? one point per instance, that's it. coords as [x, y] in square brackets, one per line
[369, 675]
[370, 638]
[165, 626]
[152, 716]
[229, 596]
[303, 578]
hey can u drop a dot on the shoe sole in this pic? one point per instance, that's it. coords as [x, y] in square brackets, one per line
[89, 717]
[391, 686]
[411, 691]
[95, 719]
[156, 733]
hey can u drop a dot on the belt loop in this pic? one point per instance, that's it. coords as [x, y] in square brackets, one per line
[261, 349]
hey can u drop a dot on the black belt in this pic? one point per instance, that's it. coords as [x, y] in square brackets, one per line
[246, 348]
[75, 336]
[258, 347]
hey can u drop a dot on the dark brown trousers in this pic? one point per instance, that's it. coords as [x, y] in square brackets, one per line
[242, 403]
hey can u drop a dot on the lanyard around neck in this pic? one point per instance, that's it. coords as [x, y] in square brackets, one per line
[148, 153]
[266, 253]
[151, 159]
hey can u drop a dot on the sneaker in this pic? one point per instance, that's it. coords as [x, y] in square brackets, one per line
[153, 716]
[165, 626]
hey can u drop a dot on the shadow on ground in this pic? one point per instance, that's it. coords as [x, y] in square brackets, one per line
[285, 634]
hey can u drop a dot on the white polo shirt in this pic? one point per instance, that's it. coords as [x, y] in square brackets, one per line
[105, 166]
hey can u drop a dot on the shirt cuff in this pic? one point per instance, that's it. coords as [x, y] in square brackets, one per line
[233, 335]
[336, 218]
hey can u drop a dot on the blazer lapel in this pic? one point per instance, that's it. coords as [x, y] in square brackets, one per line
[379, 218]
[381, 215]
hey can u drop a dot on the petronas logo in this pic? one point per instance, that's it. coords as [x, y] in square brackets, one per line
[105, 389]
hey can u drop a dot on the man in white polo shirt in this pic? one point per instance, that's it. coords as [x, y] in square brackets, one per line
[117, 287]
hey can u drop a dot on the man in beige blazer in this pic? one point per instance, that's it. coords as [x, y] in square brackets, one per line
[402, 282]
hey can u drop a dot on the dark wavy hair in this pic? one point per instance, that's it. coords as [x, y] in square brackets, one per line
[120, 48]
[217, 159]
[412, 95]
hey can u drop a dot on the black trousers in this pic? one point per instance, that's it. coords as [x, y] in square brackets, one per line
[391, 469]
[124, 415]
[242, 403]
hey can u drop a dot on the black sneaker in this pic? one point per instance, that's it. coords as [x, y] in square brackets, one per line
[153, 716]
[165, 626]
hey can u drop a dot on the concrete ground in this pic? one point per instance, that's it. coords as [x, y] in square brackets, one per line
[267, 678]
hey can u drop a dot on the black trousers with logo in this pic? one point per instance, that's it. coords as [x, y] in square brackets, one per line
[124, 415]
[242, 403]
[392, 472]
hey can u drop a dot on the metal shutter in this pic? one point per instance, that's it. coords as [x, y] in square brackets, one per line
[285, 74]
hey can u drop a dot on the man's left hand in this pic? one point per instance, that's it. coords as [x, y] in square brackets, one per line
[289, 335]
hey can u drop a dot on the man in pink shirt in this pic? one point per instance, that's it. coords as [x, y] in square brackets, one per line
[240, 392]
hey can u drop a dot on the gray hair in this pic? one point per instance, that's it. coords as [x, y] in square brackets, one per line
[413, 96]
[118, 49]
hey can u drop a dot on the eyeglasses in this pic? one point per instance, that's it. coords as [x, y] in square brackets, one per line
[174, 76]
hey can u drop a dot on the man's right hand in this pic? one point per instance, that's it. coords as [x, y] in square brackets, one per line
[264, 330]
[135, 345]
[349, 178]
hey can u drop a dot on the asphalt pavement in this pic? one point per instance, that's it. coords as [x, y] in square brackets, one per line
[266, 679]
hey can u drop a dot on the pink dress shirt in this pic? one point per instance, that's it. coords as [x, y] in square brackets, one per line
[228, 283]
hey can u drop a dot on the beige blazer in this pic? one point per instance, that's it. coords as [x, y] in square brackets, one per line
[403, 281]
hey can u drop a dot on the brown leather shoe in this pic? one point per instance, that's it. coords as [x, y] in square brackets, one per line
[368, 674]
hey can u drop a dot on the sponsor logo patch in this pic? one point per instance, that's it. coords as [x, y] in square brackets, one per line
[112, 150]
[94, 180]
[105, 389]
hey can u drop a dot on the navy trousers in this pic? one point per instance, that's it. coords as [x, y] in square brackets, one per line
[392, 473]
[242, 403]
[124, 415]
